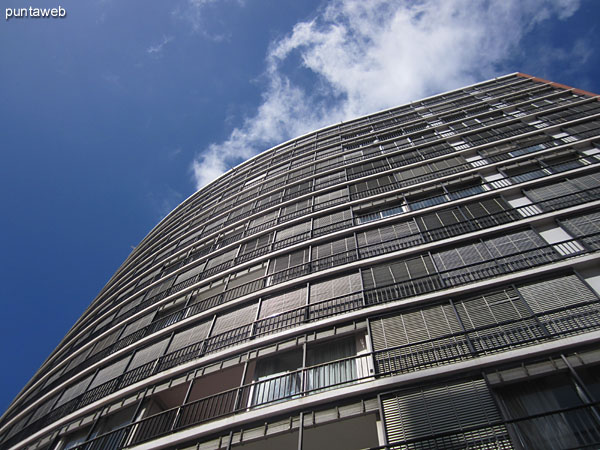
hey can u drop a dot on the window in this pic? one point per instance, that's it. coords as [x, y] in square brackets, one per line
[572, 429]
[277, 378]
[329, 370]
[247, 275]
[192, 335]
[447, 409]
[372, 186]
[397, 271]
[278, 266]
[586, 225]
[330, 198]
[271, 307]
[333, 248]
[293, 234]
[254, 245]
[389, 238]
[189, 274]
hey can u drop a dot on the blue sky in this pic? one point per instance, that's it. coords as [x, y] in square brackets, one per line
[113, 115]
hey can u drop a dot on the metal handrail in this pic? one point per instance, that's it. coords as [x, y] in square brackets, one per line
[386, 247]
[191, 281]
[315, 378]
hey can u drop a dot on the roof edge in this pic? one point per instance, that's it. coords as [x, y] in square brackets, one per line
[552, 83]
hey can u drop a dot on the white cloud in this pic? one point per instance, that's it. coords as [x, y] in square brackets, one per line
[195, 12]
[368, 56]
[157, 49]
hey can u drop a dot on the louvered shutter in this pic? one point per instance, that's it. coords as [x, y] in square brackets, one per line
[167, 251]
[377, 276]
[295, 207]
[288, 260]
[208, 291]
[556, 293]
[586, 225]
[263, 219]
[221, 259]
[398, 339]
[397, 271]
[76, 361]
[335, 287]
[443, 218]
[491, 308]
[514, 243]
[43, 409]
[242, 211]
[418, 267]
[137, 324]
[303, 172]
[419, 413]
[77, 389]
[273, 183]
[231, 235]
[189, 274]
[269, 200]
[192, 335]
[282, 302]
[329, 180]
[332, 196]
[414, 172]
[504, 317]
[565, 193]
[359, 189]
[212, 226]
[235, 319]
[109, 372]
[332, 218]
[333, 248]
[188, 239]
[588, 181]
[148, 353]
[448, 163]
[584, 130]
[255, 244]
[369, 167]
[106, 341]
[388, 233]
[149, 276]
[247, 275]
[297, 230]
[405, 158]
[160, 287]
[246, 194]
[298, 189]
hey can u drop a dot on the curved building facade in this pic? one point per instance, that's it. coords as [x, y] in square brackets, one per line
[423, 277]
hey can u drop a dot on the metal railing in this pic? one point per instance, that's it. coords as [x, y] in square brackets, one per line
[396, 244]
[295, 384]
[558, 105]
[395, 122]
[563, 201]
[484, 186]
[468, 344]
[583, 432]
[317, 311]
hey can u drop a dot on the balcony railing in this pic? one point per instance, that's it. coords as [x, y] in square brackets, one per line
[468, 344]
[261, 393]
[583, 432]
[392, 245]
[568, 200]
[578, 322]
